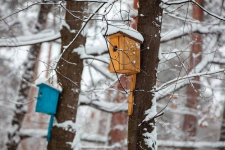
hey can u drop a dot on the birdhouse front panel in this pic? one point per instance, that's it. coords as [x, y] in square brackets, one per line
[125, 54]
[47, 99]
[114, 53]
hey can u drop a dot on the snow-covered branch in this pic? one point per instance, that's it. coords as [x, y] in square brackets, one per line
[51, 35]
[103, 139]
[103, 72]
[189, 77]
[220, 61]
[104, 106]
[93, 138]
[33, 133]
[41, 37]
[199, 28]
[164, 91]
[194, 2]
[190, 144]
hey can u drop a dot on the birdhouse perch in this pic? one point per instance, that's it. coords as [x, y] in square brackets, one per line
[124, 49]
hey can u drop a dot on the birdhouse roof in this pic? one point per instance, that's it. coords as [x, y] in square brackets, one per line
[52, 87]
[43, 81]
[124, 29]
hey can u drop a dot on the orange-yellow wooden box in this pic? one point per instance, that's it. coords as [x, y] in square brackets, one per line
[125, 54]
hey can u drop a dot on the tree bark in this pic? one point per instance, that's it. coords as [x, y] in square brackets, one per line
[222, 130]
[149, 25]
[28, 77]
[190, 121]
[68, 101]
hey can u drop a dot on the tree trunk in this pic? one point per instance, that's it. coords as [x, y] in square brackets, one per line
[28, 77]
[61, 139]
[142, 134]
[190, 121]
[222, 131]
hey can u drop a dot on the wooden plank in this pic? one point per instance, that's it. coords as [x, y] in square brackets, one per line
[131, 96]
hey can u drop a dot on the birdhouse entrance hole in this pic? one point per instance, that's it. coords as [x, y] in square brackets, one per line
[115, 48]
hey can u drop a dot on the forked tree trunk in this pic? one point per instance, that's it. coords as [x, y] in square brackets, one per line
[190, 121]
[62, 139]
[141, 135]
[27, 78]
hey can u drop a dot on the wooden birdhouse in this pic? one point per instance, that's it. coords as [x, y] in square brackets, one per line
[47, 99]
[124, 48]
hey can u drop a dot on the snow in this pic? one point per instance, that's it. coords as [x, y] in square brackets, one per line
[116, 28]
[44, 36]
[152, 111]
[41, 80]
[204, 29]
[97, 49]
[85, 53]
[191, 144]
[151, 138]
[63, 23]
[171, 54]
[67, 125]
[76, 145]
[33, 132]
[103, 139]
[205, 124]
[119, 127]
[81, 51]
[94, 137]
[164, 90]
[105, 106]
[109, 2]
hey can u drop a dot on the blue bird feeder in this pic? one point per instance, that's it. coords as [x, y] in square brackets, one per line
[47, 101]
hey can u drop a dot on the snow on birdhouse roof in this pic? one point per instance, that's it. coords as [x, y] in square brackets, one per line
[122, 28]
[40, 81]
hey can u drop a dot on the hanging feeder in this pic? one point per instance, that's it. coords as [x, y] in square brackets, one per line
[124, 48]
[47, 101]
